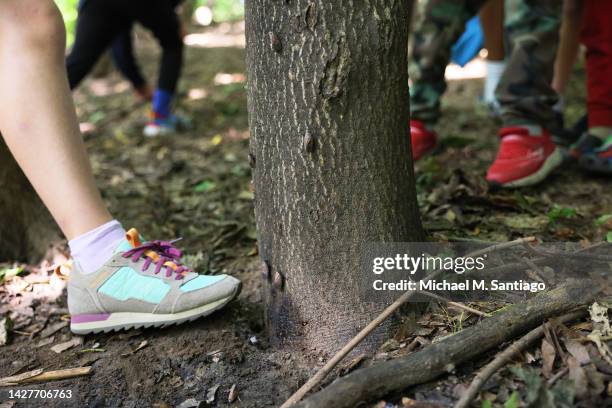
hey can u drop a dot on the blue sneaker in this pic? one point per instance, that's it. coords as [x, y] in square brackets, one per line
[170, 125]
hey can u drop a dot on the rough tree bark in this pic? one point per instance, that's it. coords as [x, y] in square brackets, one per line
[26, 227]
[330, 151]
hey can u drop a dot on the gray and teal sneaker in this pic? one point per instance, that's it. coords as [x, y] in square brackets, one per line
[144, 285]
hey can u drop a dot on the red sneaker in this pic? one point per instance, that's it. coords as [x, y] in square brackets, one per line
[523, 159]
[423, 140]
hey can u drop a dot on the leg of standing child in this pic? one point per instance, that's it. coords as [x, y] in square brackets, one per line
[96, 28]
[594, 149]
[122, 51]
[527, 154]
[492, 21]
[440, 24]
[117, 281]
[37, 117]
[160, 17]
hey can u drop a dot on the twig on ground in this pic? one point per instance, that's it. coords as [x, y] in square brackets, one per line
[558, 375]
[329, 366]
[502, 358]
[41, 376]
[455, 304]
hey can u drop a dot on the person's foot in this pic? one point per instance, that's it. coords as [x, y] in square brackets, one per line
[143, 285]
[593, 154]
[523, 159]
[170, 125]
[423, 140]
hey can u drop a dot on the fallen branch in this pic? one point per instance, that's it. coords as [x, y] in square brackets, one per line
[383, 378]
[41, 376]
[322, 373]
[454, 304]
[502, 358]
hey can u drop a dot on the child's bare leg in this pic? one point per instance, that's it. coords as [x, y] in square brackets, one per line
[37, 115]
[492, 21]
[569, 44]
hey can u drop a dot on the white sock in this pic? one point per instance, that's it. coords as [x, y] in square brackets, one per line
[495, 70]
[94, 248]
[560, 105]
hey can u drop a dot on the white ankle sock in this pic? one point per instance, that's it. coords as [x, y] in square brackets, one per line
[93, 248]
[495, 70]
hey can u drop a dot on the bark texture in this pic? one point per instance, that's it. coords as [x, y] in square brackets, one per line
[26, 227]
[330, 151]
[437, 359]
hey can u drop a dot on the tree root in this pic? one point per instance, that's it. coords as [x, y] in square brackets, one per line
[384, 378]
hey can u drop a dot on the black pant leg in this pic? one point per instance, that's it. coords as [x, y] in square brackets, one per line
[97, 26]
[159, 17]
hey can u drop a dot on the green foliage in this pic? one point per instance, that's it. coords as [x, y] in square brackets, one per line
[69, 12]
[538, 395]
[224, 10]
[603, 220]
[205, 186]
[514, 401]
[7, 273]
[486, 404]
[557, 212]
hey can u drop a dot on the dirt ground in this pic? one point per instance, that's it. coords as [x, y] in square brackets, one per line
[197, 186]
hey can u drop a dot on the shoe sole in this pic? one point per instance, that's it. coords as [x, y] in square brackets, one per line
[152, 131]
[126, 320]
[552, 162]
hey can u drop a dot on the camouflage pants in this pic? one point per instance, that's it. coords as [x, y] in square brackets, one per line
[524, 90]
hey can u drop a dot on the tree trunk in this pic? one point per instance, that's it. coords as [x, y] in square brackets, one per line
[26, 227]
[330, 151]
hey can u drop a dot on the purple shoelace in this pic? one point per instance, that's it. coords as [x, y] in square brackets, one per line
[166, 252]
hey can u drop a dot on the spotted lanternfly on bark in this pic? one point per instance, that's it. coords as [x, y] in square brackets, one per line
[265, 270]
[279, 281]
[309, 142]
[252, 160]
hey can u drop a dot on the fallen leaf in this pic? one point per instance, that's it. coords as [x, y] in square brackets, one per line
[211, 394]
[61, 347]
[578, 351]
[548, 358]
[577, 375]
[190, 403]
[233, 394]
[53, 329]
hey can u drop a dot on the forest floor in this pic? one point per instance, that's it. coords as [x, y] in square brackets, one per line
[197, 186]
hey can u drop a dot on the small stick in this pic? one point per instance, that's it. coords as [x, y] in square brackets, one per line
[455, 304]
[502, 358]
[329, 366]
[40, 376]
[555, 377]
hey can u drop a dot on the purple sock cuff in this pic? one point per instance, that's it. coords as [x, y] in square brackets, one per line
[93, 248]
